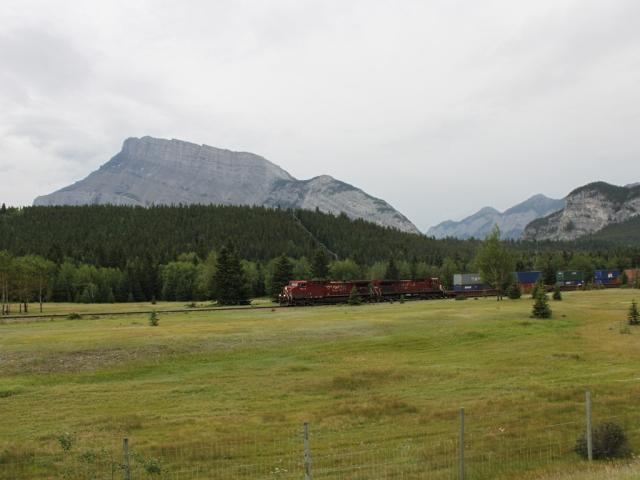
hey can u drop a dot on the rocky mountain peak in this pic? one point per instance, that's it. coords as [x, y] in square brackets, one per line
[588, 209]
[153, 171]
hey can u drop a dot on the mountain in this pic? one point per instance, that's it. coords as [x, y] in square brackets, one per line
[152, 171]
[511, 222]
[588, 209]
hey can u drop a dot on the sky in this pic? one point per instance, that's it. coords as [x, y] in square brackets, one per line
[440, 107]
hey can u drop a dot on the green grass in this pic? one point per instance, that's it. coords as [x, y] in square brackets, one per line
[229, 387]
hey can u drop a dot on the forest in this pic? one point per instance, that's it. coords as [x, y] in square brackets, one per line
[103, 254]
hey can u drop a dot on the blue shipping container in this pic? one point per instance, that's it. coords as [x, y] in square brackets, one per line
[528, 277]
[607, 277]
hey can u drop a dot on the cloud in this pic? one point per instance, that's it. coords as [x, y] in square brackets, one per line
[439, 107]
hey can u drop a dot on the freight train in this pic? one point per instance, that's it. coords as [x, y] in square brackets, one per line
[315, 292]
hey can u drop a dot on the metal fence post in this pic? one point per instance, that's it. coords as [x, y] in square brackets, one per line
[307, 453]
[589, 432]
[125, 459]
[461, 447]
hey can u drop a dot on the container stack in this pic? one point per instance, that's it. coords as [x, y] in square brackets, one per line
[607, 278]
[570, 278]
[468, 282]
[527, 280]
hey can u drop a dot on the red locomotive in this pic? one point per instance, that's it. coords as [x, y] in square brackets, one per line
[311, 292]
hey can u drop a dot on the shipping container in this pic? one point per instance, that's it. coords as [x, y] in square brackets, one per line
[528, 277]
[570, 277]
[470, 288]
[607, 277]
[632, 274]
[467, 279]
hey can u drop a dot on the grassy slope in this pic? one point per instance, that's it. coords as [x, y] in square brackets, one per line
[376, 371]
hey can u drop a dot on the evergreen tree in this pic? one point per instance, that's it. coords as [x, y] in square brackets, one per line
[541, 307]
[282, 275]
[354, 297]
[633, 316]
[153, 319]
[3, 209]
[392, 272]
[230, 281]
[320, 265]
[557, 294]
[514, 292]
[537, 288]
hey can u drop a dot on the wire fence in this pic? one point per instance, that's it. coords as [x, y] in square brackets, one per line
[480, 448]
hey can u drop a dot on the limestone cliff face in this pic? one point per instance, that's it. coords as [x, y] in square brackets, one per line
[151, 171]
[588, 209]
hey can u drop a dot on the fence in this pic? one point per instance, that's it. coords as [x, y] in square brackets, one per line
[466, 446]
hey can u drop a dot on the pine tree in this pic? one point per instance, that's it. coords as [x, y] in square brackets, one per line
[354, 297]
[153, 319]
[541, 307]
[557, 294]
[537, 288]
[514, 292]
[392, 272]
[229, 279]
[320, 265]
[633, 315]
[282, 275]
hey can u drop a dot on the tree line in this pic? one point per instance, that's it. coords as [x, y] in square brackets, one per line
[108, 254]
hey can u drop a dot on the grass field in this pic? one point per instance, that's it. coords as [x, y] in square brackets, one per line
[224, 394]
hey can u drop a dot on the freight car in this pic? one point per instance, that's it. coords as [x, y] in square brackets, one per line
[313, 292]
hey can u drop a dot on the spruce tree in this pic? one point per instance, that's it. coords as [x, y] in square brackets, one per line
[229, 279]
[282, 275]
[514, 292]
[320, 265]
[541, 307]
[392, 272]
[633, 316]
[557, 294]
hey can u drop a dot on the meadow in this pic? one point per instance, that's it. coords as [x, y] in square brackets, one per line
[224, 394]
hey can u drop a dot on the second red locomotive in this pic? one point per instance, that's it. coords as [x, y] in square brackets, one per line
[310, 292]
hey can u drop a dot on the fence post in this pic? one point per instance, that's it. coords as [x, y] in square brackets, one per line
[307, 453]
[589, 432]
[125, 460]
[461, 447]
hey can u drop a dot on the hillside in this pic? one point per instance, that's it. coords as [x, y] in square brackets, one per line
[511, 222]
[110, 235]
[588, 210]
[152, 171]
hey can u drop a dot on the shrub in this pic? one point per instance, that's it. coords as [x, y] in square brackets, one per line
[65, 440]
[153, 319]
[354, 297]
[541, 307]
[633, 316]
[557, 294]
[514, 292]
[401, 298]
[609, 441]
[74, 316]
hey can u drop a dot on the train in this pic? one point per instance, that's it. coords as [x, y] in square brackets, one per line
[317, 292]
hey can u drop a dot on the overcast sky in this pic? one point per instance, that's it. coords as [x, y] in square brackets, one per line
[439, 107]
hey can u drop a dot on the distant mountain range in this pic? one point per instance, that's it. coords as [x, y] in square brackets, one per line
[511, 222]
[152, 171]
[591, 209]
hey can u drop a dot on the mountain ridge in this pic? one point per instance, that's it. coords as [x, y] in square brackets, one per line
[151, 171]
[588, 210]
[511, 222]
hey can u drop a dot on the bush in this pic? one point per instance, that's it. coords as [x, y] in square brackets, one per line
[609, 441]
[354, 297]
[74, 316]
[557, 294]
[514, 292]
[153, 319]
[633, 316]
